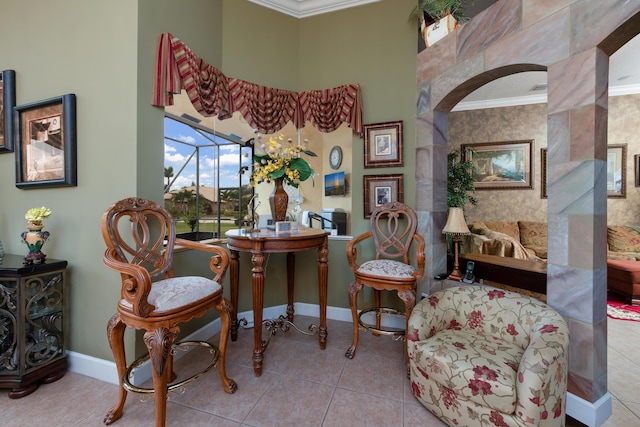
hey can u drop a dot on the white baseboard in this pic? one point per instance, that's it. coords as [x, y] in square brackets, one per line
[106, 371]
[588, 413]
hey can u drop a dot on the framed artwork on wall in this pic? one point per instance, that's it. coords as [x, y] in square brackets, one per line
[381, 189]
[383, 145]
[543, 173]
[636, 168]
[617, 171]
[501, 165]
[7, 102]
[46, 143]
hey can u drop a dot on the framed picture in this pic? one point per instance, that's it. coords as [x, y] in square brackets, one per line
[617, 171]
[383, 145]
[636, 168]
[382, 189]
[501, 165]
[543, 173]
[7, 102]
[46, 143]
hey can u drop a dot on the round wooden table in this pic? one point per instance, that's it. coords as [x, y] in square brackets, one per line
[259, 243]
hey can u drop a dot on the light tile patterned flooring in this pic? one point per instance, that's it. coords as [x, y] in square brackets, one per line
[300, 386]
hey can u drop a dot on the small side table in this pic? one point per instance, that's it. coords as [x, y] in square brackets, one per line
[32, 347]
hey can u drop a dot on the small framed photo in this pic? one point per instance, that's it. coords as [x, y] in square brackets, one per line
[617, 171]
[7, 102]
[46, 143]
[383, 145]
[382, 189]
[543, 173]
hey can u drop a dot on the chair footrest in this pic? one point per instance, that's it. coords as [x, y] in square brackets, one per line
[184, 345]
[381, 313]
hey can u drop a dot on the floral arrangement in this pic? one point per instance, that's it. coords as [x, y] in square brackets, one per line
[281, 159]
[36, 215]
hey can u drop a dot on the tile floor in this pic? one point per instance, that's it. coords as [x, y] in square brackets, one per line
[300, 386]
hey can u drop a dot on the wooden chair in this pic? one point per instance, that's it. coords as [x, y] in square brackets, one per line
[140, 237]
[393, 230]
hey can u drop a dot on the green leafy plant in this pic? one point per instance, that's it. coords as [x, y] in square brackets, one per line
[438, 9]
[460, 184]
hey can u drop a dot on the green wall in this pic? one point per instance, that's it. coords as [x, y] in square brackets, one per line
[103, 51]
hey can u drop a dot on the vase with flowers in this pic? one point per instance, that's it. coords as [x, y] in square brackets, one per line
[34, 238]
[281, 161]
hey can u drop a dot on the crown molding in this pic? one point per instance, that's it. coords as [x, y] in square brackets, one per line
[306, 8]
[534, 99]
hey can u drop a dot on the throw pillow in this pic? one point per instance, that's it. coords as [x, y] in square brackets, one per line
[623, 239]
[507, 227]
[533, 234]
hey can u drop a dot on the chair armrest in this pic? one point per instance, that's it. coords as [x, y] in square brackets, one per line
[420, 256]
[542, 375]
[218, 262]
[352, 252]
[136, 282]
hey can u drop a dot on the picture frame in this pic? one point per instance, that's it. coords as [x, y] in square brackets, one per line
[543, 173]
[616, 160]
[501, 165]
[636, 168]
[381, 189]
[617, 171]
[46, 143]
[7, 102]
[383, 145]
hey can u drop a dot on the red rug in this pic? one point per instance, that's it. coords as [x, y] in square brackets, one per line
[617, 309]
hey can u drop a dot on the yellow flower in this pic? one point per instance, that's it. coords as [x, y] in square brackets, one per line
[281, 158]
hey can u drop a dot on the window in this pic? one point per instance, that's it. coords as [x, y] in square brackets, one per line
[204, 189]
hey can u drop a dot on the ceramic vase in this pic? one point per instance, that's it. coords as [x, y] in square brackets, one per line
[436, 31]
[34, 238]
[278, 201]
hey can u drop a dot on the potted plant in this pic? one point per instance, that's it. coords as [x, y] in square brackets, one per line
[460, 184]
[438, 18]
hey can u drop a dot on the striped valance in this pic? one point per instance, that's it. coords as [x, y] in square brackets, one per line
[266, 109]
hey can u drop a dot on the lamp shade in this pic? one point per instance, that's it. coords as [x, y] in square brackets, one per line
[455, 223]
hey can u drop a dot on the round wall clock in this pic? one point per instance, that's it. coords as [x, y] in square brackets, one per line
[335, 157]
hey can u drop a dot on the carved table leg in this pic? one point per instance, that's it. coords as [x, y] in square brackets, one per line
[323, 277]
[234, 271]
[291, 268]
[257, 260]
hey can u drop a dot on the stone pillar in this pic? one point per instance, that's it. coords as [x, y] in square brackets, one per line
[577, 213]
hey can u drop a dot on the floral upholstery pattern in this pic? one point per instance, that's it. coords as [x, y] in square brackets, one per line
[623, 239]
[533, 235]
[387, 268]
[506, 227]
[481, 356]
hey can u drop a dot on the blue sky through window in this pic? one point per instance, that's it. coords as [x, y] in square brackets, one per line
[220, 159]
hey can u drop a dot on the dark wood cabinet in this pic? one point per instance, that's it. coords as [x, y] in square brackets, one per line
[32, 345]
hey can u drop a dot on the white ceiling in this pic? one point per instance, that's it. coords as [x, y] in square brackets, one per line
[305, 8]
[517, 89]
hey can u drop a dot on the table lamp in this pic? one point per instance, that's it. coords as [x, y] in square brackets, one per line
[455, 227]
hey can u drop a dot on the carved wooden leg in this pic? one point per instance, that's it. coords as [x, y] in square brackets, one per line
[354, 288]
[234, 267]
[115, 334]
[159, 342]
[377, 303]
[224, 311]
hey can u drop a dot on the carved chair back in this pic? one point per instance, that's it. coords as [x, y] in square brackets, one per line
[393, 227]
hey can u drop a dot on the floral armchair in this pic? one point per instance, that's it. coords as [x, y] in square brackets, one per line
[481, 356]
